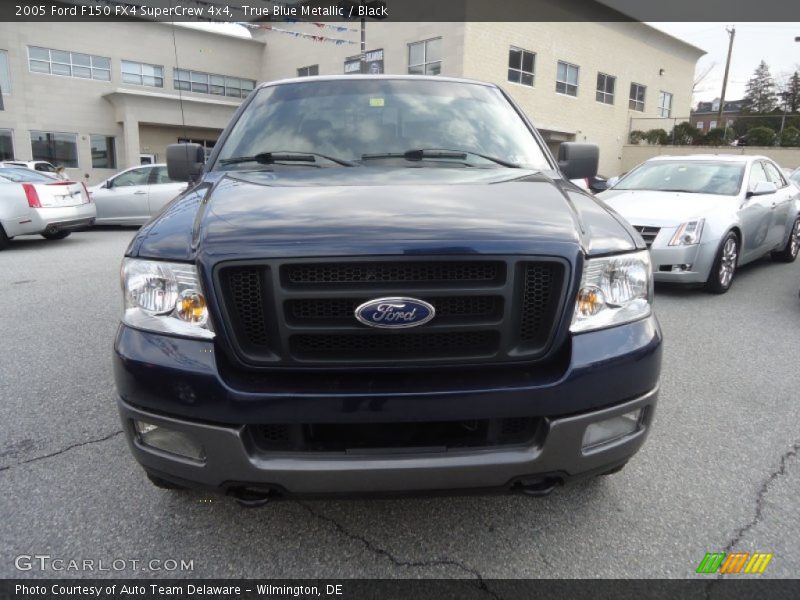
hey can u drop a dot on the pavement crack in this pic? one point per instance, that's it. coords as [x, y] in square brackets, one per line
[62, 451]
[375, 549]
[780, 471]
[762, 492]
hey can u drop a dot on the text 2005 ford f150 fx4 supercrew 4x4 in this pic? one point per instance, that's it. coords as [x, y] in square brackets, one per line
[380, 284]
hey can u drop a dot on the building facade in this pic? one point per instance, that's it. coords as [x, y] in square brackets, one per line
[100, 97]
[577, 81]
[73, 98]
[706, 116]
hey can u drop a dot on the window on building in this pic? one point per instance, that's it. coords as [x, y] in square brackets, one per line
[6, 144]
[665, 105]
[309, 71]
[699, 125]
[5, 74]
[605, 88]
[636, 101]
[567, 79]
[69, 64]
[729, 123]
[425, 58]
[61, 149]
[521, 66]
[711, 124]
[208, 83]
[104, 155]
[142, 74]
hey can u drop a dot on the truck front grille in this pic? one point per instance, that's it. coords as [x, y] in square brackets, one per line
[301, 312]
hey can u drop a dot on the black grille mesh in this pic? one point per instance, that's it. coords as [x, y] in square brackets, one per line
[394, 345]
[540, 295]
[245, 293]
[343, 309]
[412, 272]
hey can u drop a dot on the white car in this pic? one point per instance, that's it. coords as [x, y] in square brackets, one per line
[37, 165]
[33, 203]
[703, 216]
[132, 196]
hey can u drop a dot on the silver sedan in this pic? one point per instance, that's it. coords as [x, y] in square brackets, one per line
[132, 196]
[703, 216]
[34, 203]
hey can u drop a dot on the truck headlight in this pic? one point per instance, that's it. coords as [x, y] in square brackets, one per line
[164, 297]
[614, 290]
[688, 234]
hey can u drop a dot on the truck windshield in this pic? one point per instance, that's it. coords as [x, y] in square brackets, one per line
[365, 122]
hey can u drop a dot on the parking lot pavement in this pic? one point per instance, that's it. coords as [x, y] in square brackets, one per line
[719, 472]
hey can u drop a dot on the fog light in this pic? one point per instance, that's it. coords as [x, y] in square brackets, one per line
[168, 440]
[611, 429]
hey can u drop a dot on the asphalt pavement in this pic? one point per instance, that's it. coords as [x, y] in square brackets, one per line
[720, 471]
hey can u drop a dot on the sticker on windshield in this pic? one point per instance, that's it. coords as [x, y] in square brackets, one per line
[378, 102]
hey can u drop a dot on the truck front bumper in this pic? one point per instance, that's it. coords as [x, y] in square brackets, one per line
[231, 462]
[174, 384]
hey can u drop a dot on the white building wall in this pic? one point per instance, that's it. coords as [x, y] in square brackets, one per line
[56, 103]
[632, 52]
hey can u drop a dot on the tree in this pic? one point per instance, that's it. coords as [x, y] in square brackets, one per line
[718, 136]
[760, 91]
[790, 137]
[684, 134]
[761, 136]
[790, 93]
[656, 136]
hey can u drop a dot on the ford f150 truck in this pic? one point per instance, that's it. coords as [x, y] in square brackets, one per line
[379, 284]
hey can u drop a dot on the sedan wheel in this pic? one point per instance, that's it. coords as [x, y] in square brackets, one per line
[790, 250]
[724, 269]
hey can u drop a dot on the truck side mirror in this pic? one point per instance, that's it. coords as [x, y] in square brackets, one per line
[185, 162]
[577, 160]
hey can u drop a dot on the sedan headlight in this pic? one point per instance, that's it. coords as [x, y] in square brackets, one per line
[688, 233]
[164, 297]
[614, 290]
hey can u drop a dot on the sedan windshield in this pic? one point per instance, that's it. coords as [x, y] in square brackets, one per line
[695, 177]
[368, 122]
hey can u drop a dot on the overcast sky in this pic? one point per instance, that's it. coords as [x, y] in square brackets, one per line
[772, 42]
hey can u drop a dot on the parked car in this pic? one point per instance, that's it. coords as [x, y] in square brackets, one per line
[595, 184]
[384, 283]
[795, 177]
[41, 166]
[704, 216]
[33, 203]
[133, 196]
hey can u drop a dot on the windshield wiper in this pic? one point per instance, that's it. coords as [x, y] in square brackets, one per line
[269, 158]
[423, 153]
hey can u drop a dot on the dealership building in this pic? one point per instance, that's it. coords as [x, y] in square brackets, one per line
[99, 97]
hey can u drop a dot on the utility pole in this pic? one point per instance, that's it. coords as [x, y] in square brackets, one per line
[731, 35]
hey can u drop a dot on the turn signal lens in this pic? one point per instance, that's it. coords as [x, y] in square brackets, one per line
[191, 307]
[590, 301]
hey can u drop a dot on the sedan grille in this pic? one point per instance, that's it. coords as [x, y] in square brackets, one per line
[649, 234]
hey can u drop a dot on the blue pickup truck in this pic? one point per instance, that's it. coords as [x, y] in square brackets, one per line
[383, 284]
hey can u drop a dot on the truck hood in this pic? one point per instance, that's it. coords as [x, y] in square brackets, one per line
[663, 209]
[357, 211]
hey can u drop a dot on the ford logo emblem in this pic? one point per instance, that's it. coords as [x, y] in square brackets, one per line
[395, 313]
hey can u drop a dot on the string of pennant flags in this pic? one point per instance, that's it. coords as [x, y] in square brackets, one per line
[299, 34]
[338, 28]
